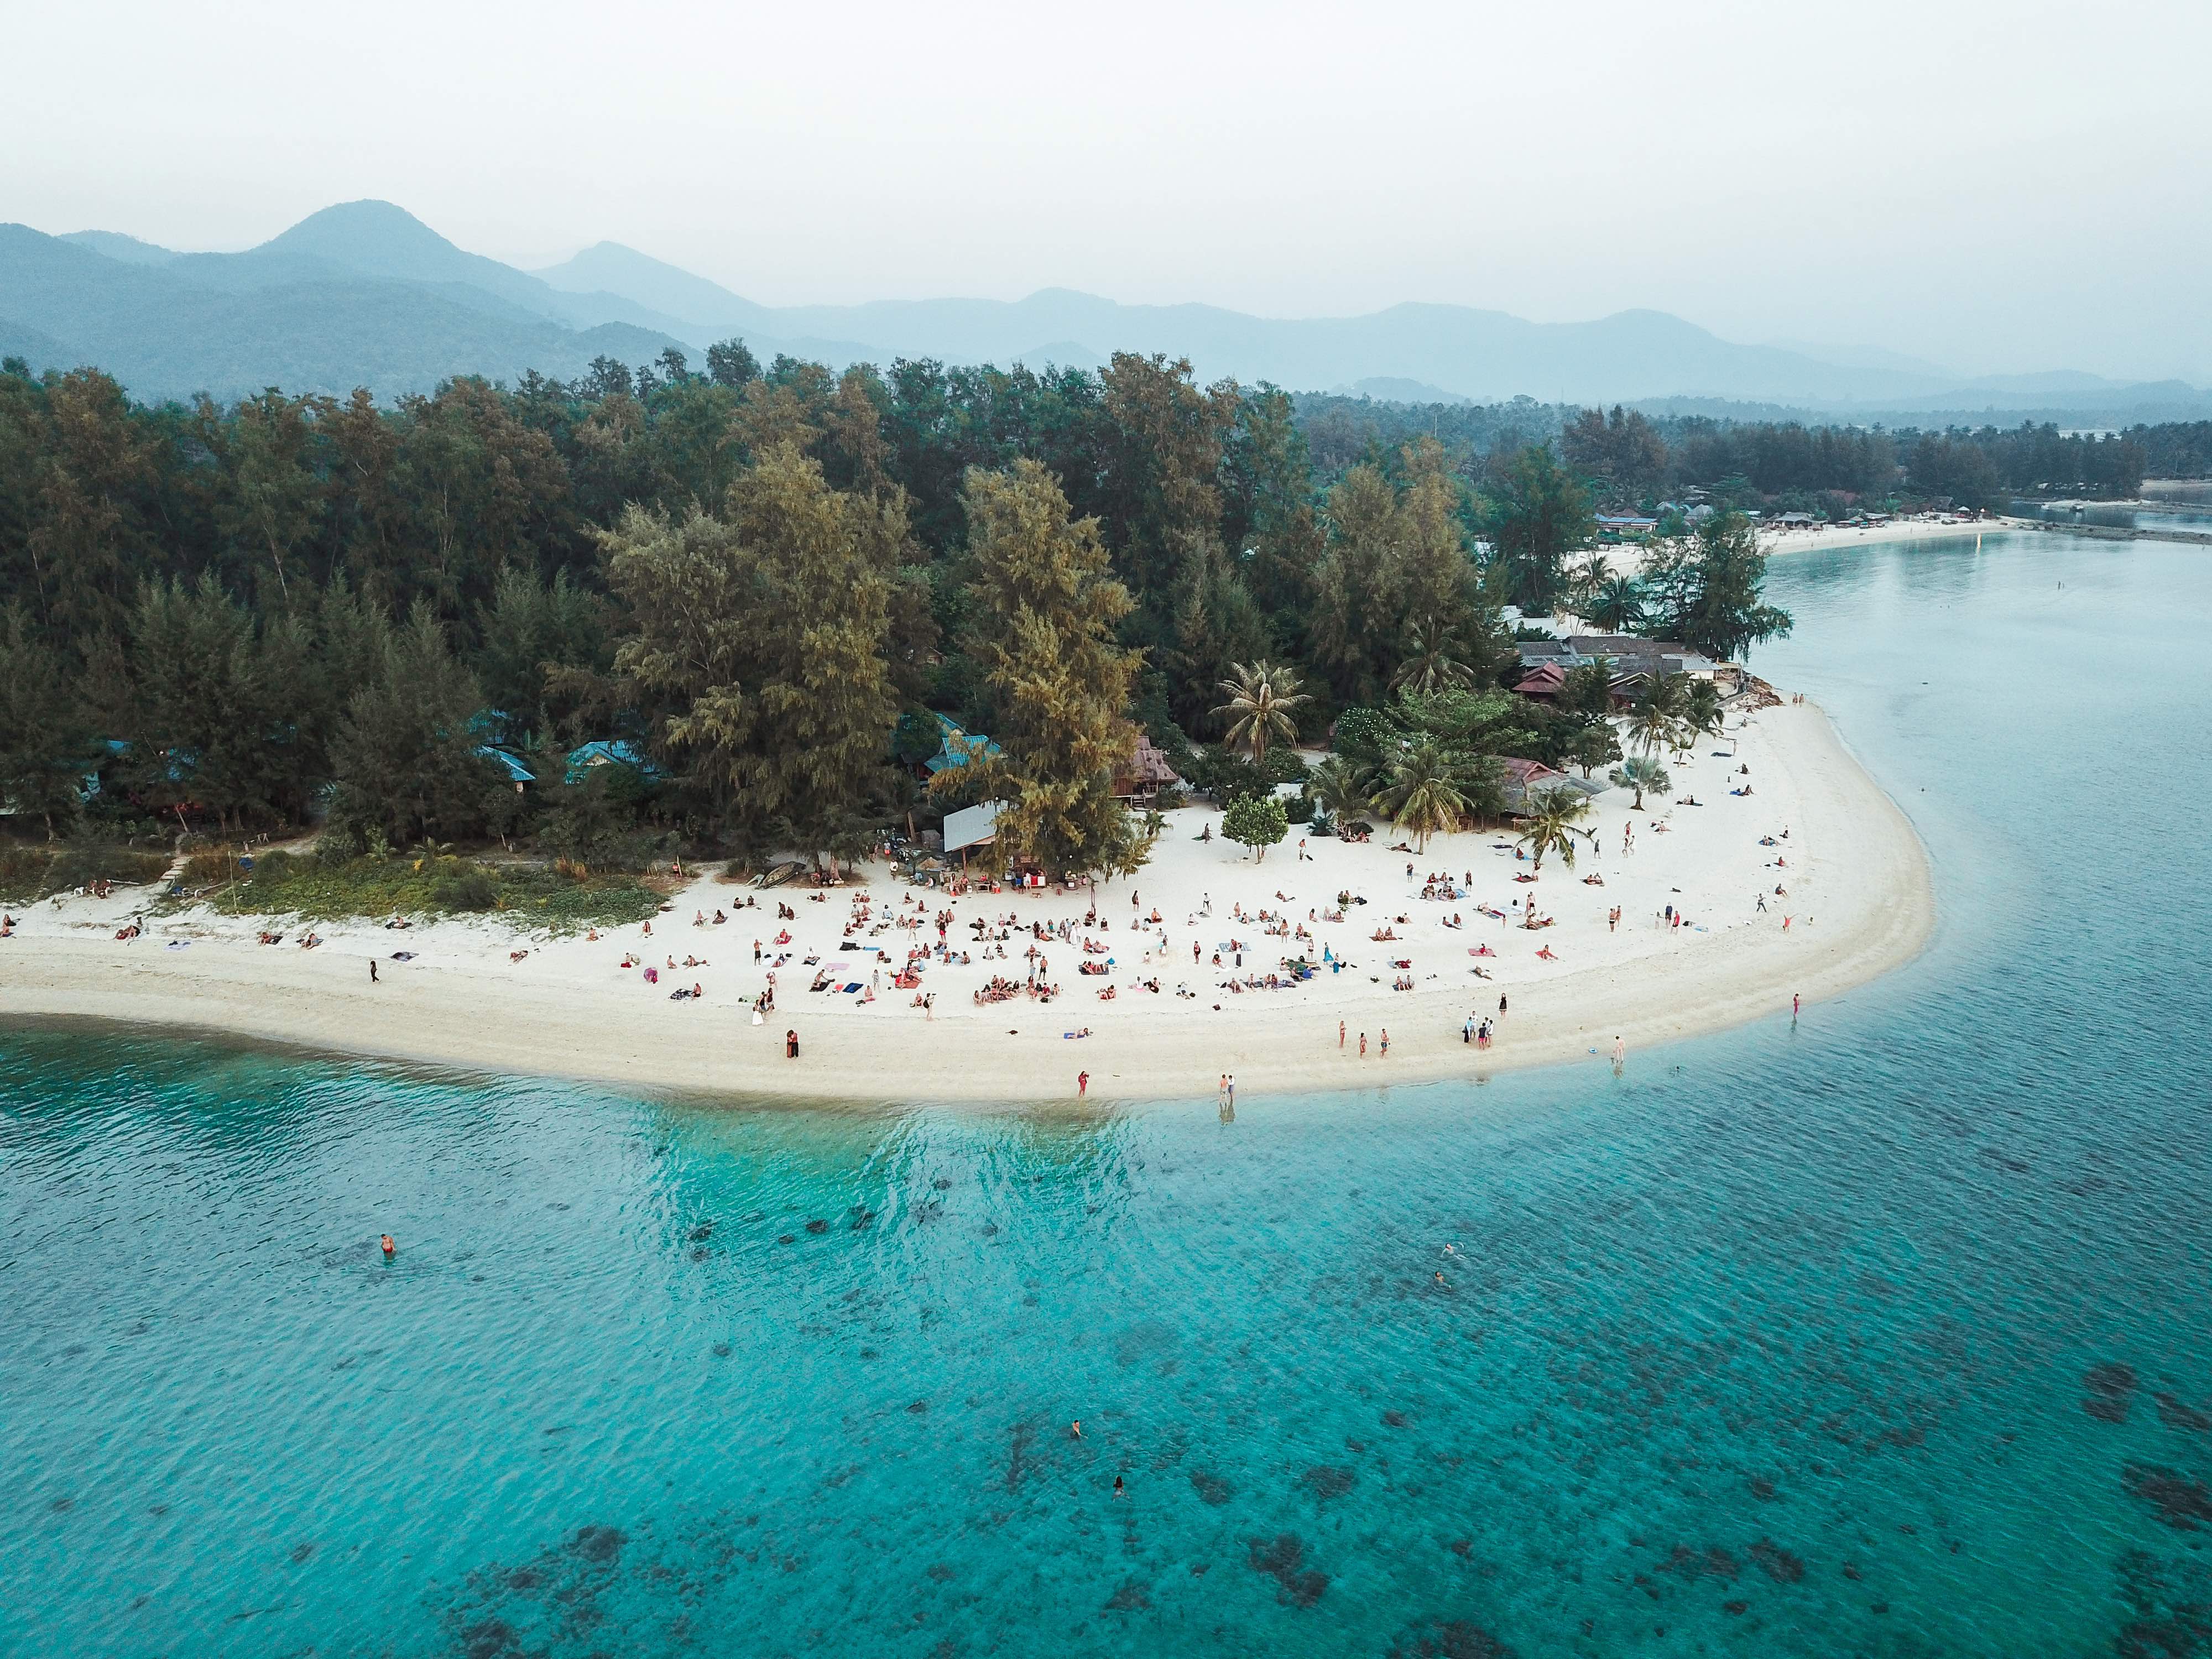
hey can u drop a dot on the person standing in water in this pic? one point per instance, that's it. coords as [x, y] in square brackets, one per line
[1619, 1053]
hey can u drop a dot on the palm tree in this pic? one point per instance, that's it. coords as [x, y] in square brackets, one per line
[1424, 794]
[1261, 699]
[1703, 712]
[1549, 825]
[1640, 773]
[1656, 721]
[1616, 604]
[1429, 664]
[1336, 787]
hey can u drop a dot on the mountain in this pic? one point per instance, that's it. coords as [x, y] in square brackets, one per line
[364, 293]
[610, 268]
[116, 245]
[1394, 389]
[173, 330]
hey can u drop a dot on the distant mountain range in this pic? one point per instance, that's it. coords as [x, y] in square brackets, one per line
[367, 294]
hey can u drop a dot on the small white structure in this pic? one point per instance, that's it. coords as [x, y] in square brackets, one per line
[972, 826]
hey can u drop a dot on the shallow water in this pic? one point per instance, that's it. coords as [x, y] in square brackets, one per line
[1888, 1333]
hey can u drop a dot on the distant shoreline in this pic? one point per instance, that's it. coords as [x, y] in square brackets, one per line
[1859, 888]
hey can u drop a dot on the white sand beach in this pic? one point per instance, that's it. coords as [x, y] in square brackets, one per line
[1855, 900]
[1813, 539]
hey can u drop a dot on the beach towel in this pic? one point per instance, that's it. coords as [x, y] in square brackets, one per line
[403, 956]
[854, 986]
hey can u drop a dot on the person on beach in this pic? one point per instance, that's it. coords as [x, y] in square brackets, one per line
[1386, 1042]
[1501, 1004]
[791, 1045]
[1082, 1084]
[1796, 1003]
[1339, 1034]
[372, 970]
[1619, 1053]
[1363, 1045]
[1232, 1096]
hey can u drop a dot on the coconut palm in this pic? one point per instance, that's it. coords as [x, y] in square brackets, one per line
[1640, 773]
[1702, 711]
[1430, 663]
[1337, 787]
[1616, 604]
[1261, 699]
[1656, 721]
[1548, 826]
[1424, 792]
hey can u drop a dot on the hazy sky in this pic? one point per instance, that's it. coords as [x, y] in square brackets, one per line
[1993, 185]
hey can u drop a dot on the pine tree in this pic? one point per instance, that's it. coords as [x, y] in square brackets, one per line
[1043, 606]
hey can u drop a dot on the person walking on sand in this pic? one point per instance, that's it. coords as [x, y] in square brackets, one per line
[1386, 1042]
[1363, 1045]
[1082, 1084]
[1501, 1004]
[372, 970]
[1339, 1034]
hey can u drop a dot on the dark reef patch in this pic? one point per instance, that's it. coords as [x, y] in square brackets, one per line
[1328, 1480]
[1282, 1558]
[1450, 1639]
[2176, 1499]
[1776, 1562]
[597, 1544]
[2175, 1414]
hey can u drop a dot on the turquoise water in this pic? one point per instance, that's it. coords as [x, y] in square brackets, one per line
[1794, 1340]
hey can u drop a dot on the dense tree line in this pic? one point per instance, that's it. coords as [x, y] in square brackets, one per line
[1633, 459]
[250, 617]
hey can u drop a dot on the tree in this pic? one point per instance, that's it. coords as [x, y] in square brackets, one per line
[46, 746]
[1640, 773]
[1702, 710]
[1655, 721]
[1423, 792]
[1537, 515]
[763, 638]
[1338, 786]
[1260, 701]
[1705, 590]
[1043, 604]
[405, 761]
[1258, 821]
[1616, 604]
[1430, 660]
[1549, 826]
[1594, 745]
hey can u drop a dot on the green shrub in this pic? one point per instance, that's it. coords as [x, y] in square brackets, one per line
[1300, 809]
[470, 887]
[274, 869]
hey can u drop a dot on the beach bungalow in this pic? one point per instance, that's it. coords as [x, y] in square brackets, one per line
[608, 752]
[957, 747]
[517, 774]
[1139, 783]
[1543, 681]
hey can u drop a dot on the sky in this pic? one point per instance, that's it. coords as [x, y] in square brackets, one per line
[1993, 187]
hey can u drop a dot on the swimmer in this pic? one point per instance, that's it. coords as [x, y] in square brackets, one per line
[389, 1247]
[1120, 1490]
[1076, 1428]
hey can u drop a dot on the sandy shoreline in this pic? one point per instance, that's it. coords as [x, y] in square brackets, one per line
[1858, 894]
[1910, 530]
